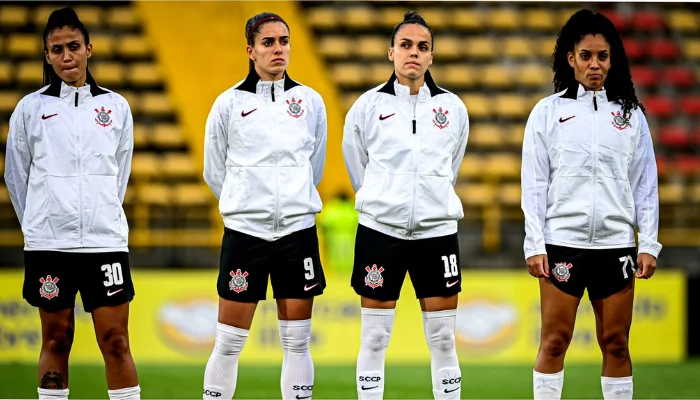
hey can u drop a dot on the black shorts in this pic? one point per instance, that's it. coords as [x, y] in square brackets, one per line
[53, 278]
[381, 263]
[603, 272]
[292, 262]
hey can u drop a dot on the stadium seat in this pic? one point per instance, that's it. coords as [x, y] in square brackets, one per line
[694, 193]
[4, 195]
[662, 49]
[663, 166]
[540, 20]
[31, 73]
[495, 76]
[647, 21]
[455, 76]
[671, 193]
[510, 106]
[102, 45]
[504, 19]
[142, 134]
[154, 194]
[659, 106]
[471, 166]
[22, 45]
[178, 165]
[145, 165]
[380, 72]
[517, 47]
[678, 76]
[388, 17]
[533, 75]
[545, 47]
[477, 105]
[475, 194]
[134, 46]
[372, 47]
[502, 165]
[358, 17]
[514, 134]
[467, 19]
[156, 104]
[682, 21]
[449, 48]
[486, 136]
[691, 105]
[349, 74]
[2, 164]
[644, 76]
[687, 164]
[349, 98]
[134, 100]
[674, 136]
[481, 48]
[192, 194]
[8, 101]
[510, 194]
[167, 136]
[4, 130]
[324, 17]
[634, 49]
[435, 16]
[41, 16]
[90, 16]
[108, 74]
[619, 20]
[5, 73]
[144, 74]
[564, 16]
[13, 16]
[691, 49]
[336, 47]
[122, 18]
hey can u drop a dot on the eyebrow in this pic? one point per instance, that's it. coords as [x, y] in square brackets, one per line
[272, 37]
[589, 51]
[411, 41]
[68, 44]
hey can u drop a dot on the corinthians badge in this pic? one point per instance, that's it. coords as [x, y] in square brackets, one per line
[619, 122]
[561, 271]
[295, 109]
[374, 277]
[238, 282]
[440, 118]
[48, 288]
[103, 118]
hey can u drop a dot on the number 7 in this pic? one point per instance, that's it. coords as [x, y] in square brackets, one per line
[627, 260]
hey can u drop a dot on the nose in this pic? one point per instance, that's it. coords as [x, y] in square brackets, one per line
[594, 63]
[66, 55]
[278, 48]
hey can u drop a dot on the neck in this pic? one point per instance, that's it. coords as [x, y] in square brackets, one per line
[413, 84]
[268, 77]
[79, 83]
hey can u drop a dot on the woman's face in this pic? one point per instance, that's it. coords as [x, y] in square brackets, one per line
[270, 50]
[591, 61]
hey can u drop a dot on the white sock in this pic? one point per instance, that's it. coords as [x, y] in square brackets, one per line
[616, 388]
[547, 386]
[53, 394]
[375, 334]
[131, 393]
[439, 329]
[222, 368]
[297, 380]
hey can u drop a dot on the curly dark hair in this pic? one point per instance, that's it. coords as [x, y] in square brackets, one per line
[618, 84]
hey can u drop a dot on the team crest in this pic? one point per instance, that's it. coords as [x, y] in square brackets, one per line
[238, 282]
[561, 271]
[619, 122]
[48, 288]
[295, 109]
[374, 277]
[103, 118]
[440, 118]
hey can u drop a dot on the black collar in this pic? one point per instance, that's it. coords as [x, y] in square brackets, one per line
[54, 88]
[434, 89]
[572, 92]
[251, 81]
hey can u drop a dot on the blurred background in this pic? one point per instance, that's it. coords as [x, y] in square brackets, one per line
[171, 59]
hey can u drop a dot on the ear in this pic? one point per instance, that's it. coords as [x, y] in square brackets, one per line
[570, 57]
[46, 55]
[431, 59]
[391, 54]
[249, 50]
[89, 50]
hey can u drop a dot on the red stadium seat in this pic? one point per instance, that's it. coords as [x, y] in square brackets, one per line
[691, 105]
[662, 166]
[647, 21]
[659, 106]
[674, 136]
[687, 164]
[619, 20]
[663, 49]
[644, 76]
[678, 76]
[634, 48]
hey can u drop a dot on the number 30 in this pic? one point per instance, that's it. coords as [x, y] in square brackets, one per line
[113, 273]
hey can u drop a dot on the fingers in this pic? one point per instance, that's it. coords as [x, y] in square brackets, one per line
[546, 266]
[647, 266]
[538, 267]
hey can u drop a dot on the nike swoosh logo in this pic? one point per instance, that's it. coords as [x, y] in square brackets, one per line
[307, 288]
[368, 388]
[565, 119]
[450, 284]
[44, 116]
[245, 114]
[450, 391]
[382, 118]
[113, 293]
[305, 397]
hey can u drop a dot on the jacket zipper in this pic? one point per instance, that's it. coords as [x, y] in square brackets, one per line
[415, 171]
[275, 223]
[80, 168]
[595, 166]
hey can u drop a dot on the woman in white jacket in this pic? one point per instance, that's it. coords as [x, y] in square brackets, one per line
[588, 180]
[68, 161]
[265, 146]
[403, 144]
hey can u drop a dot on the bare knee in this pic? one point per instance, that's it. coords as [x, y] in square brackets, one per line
[114, 343]
[555, 344]
[615, 345]
[59, 337]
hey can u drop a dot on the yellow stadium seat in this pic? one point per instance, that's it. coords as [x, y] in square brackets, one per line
[358, 17]
[372, 47]
[167, 136]
[534, 75]
[495, 76]
[90, 16]
[31, 73]
[506, 19]
[8, 101]
[517, 47]
[514, 134]
[485, 136]
[2, 164]
[467, 19]
[134, 100]
[671, 193]
[192, 194]
[682, 21]
[154, 194]
[4, 130]
[144, 74]
[510, 106]
[4, 195]
[5, 73]
[509, 194]
[476, 194]
[436, 17]
[691, 49]
[389, 17]
[541, 20]
[335, 47]
[156, 103]
[478, 105]
[545, 46]
[471, 167]
[380, 72]
[350, 98]
[41, 15]
[695, 193]
[483, 48]
[564, 16]
[502, 165]
[449, 48]
[178, 165]
[25, 45]
[349, 74]
[322, 17]
[134, 46]
[108, 73]
[13, 15]
[145, 165]
[457, 76]
[102, 45]
[142, 133]
[122, 18]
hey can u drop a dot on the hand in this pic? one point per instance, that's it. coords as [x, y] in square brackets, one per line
[538, 266]
[647, 266]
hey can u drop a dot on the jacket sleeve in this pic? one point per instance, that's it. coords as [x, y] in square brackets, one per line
[215, 146]
[354, 147]
[535, 182]
[458, 155]
[318, 157]
[125, 152]
[18, 159]
[645, 186]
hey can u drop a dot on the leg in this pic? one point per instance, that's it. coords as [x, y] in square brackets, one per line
[376, 326]
[57, 330]
[297, 379]
[112, 332]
